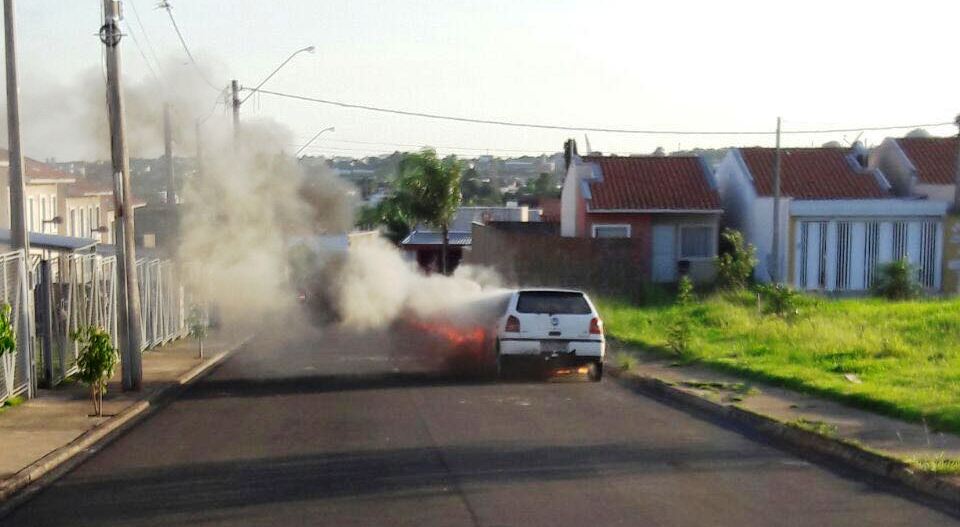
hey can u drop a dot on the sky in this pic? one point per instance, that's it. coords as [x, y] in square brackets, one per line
[657, 65]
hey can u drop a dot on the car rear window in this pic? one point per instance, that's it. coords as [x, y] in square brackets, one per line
[553, 302]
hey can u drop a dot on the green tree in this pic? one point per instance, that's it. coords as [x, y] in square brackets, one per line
[96, 361]
[735, 265]
[428, 190]
[388, 213]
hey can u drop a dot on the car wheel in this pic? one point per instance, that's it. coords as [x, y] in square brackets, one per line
[595, 373]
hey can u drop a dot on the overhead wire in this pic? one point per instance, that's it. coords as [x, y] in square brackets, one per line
[164, 4]
[544, 126]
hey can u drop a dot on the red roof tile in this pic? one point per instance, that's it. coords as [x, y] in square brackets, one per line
[934, 158]
[812, 173]
[652, 183]
[34, 170]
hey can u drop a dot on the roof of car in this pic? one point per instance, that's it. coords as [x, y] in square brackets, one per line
[548, 290]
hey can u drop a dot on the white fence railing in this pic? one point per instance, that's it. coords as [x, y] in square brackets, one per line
[15, 367]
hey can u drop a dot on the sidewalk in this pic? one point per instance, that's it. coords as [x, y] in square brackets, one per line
[42, 433]
[860, 429]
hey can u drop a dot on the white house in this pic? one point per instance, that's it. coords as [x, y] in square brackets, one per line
[918, 166]
[839, 219]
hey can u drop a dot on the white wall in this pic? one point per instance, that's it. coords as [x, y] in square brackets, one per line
[568, 202]
[936, 192]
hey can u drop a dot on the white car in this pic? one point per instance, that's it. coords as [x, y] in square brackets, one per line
[559, 326]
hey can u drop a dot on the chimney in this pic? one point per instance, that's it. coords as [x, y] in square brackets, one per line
[569, 152]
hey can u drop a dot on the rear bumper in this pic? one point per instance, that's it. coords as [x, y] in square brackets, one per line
[587, 349]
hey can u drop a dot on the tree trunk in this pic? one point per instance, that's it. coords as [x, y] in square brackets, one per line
[201, 347]
[93, 399]
[443, 250]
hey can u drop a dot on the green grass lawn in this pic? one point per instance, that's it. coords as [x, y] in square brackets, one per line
[899, 358]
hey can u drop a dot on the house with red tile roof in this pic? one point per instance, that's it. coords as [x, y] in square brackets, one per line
[918, 166]
[839, 218]
[669, 206]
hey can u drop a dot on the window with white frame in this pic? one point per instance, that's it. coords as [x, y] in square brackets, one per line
[696, 241]
[611, 231]
[72, 224]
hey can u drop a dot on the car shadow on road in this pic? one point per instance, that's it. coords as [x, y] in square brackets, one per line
[127, 496]
[327, 383]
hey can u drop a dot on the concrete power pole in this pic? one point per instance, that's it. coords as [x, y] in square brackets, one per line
[775, 274]
[129, 297]
[168, 157]
[18, 220]
[235, 100]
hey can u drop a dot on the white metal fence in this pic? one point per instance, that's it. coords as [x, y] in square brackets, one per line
[84, 291]
[15, 291]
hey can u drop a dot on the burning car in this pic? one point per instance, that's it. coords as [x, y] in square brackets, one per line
[557, 326]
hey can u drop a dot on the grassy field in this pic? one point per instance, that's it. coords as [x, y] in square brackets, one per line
[899, 358]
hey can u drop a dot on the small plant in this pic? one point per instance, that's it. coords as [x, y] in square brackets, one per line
[8, 347]
[781, 300]
[198, 323]
[817, 427]
[896, 281]
[685, 295]
[678, 337]
[96, 361]
[735, 265]
[940, 464]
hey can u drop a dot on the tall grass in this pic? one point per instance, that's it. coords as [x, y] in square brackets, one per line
[899, 358]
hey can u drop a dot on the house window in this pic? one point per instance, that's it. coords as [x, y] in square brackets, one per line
[844, 242]
[899, 241]
[928, 254]
[73, 222]
[871, 252]
[611, 231]
[696, 242]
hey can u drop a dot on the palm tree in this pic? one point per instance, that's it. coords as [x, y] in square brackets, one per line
[428, 188]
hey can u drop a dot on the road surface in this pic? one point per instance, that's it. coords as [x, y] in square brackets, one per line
[311, 428]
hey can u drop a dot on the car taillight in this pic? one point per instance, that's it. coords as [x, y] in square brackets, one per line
[513, 325]
[595, 326]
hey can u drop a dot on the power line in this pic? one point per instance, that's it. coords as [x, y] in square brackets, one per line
[164, 4]
[146, 36]
[588, 128]
[439, 147]
[142, 54]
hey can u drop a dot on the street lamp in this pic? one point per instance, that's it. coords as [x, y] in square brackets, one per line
[312, 139]
[235, 87]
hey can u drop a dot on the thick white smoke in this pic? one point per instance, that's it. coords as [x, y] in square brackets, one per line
[376, 287]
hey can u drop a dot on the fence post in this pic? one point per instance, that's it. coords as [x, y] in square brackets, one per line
[43, 300]
[24, 337]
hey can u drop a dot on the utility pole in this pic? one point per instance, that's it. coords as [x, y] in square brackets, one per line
[129, 297]
[956, 173]
[775, 274]
[18, 220]
[168, 157]
[235, 94]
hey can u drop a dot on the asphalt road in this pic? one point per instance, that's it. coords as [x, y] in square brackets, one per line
[305, 428]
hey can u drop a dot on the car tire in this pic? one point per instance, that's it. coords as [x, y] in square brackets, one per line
[596, 371]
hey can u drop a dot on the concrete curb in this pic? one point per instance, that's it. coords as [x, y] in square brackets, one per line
[23, 485]
[846, 454]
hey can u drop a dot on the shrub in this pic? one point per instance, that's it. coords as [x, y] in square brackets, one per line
[735, 265]
[198, 322]
[685, 295]
[96, 361]
[781, 300]
[896, 281]
[8, 345]
[678, 337]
